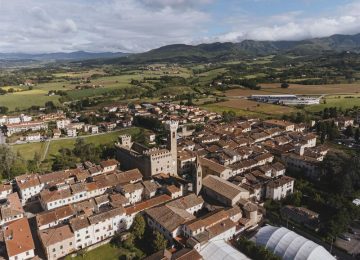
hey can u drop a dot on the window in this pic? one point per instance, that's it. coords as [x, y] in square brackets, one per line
[61, 247]
[53, 250]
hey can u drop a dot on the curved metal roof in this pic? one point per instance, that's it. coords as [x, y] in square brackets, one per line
[289, 245]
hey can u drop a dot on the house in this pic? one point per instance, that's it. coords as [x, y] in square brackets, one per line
[29, 186]
[11, 129]
[36, 137]
[62, 124]
[223, 191]
[83, 232]
[168, 220]
[5, 190]
[210, 167]
[57, 242]
[278, 169]
[56, 133]
[287, 126]
[71, 132]
[11, 209]
[279, 188]
[150, 189]
[132, 191]
[106, 224]
[109, 165]
[174, 191]
[51, 218]
[191, 203]
[18, 240]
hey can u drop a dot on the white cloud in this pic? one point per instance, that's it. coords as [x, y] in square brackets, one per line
[297, 26]
[140, 25]
[109, 25]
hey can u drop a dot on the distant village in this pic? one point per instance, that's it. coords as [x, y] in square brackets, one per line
[201, 189]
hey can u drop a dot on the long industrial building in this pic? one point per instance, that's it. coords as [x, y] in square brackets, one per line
[286, 99]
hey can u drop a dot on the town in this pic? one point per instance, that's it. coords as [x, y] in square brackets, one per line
[199, 188]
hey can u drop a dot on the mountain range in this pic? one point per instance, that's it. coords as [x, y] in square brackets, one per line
[247, 48]
[206, 52]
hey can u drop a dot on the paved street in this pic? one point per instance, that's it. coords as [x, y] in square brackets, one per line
[2, 138]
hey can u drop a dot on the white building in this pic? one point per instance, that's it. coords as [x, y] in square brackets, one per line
[62, 124]
[18, 240]
[279, 188]
[29, 186]
[5, 190]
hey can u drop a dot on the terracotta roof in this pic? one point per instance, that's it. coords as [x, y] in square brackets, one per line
[50, 216]
[147, 204]
[222, 187]
[18, 238]
[79, 223]
[109, 163]
[27, 181]
[280, 182]
[12, 207]
[106, 215]
[55, 235]
[49, 196]
[208, 220]
[186, 254]
[212, 165]
[169, 217]
[5, 187]
[186, 202]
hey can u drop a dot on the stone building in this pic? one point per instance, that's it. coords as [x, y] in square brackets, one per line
[149, 161]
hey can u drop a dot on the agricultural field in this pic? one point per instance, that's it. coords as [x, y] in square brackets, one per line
[340, 101]
[38, 96]
[26, 99]
[244, 107]
[27, 151]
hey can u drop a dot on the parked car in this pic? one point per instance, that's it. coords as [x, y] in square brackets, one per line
[352, 231]
[345, 237]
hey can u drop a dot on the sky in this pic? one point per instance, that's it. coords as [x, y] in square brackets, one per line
[44, 26]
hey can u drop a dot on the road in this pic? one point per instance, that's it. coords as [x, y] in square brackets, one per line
[2, 138]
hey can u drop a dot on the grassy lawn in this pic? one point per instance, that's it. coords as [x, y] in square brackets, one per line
[28, 150]
[26, 99]
[336, 101]
[105, 252]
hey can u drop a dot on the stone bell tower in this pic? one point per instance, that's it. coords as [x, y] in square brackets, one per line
[198, 177]
[172, 142]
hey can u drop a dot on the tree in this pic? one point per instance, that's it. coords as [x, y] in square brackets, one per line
[357, 134]
[159, 242]
[349, 131]
[86, 152]
[64, 160]
[284, 85]
[11, 164]
[3, 109]
[138, 227]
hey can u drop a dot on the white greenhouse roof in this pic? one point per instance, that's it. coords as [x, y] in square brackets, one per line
[221, 250]
[289, 245]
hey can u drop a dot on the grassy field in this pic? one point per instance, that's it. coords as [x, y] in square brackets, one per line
[105, 252]
[28, 150]
[26, 99]
[244, 107]
[38, 96]
[340, 101]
